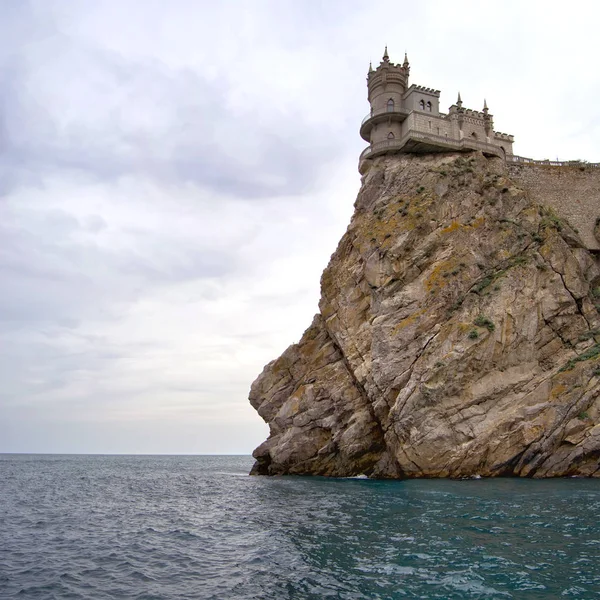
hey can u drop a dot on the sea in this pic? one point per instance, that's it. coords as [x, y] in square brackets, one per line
[199, 527]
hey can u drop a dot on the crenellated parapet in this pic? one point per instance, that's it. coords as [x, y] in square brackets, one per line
[387, 74]
[473, 114]
[421, 88]
[387, 82]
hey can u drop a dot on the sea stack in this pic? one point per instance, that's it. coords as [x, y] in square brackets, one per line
[458, 331]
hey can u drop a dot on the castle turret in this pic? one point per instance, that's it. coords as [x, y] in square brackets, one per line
[386, 86]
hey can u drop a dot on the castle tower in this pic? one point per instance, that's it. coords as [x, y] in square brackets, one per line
[386, 86]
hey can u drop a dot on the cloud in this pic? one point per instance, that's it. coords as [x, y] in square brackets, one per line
[173, 179]
[108, 116]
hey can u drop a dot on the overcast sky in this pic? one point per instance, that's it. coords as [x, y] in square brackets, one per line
[175, 175]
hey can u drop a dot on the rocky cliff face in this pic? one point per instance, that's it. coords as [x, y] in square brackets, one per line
[458, 335]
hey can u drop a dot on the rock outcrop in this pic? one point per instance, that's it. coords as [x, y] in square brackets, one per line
[458, 335]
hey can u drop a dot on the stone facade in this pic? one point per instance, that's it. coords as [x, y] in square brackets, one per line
[407, 118]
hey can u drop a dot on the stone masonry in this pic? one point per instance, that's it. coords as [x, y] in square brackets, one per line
[572, 191]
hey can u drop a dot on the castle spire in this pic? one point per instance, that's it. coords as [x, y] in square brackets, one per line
[405, 63]
[386, 57]
[370, 67]
[459, 101]
[487, 119]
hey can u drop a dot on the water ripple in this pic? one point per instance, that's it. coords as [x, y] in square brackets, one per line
[100, 527]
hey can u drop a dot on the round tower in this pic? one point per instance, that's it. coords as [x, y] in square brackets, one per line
[386, 85]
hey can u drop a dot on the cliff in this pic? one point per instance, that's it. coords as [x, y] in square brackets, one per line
[458, 335]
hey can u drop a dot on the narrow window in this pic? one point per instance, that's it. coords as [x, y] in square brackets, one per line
[429, 107]
[429, 124]
[390, 105]
[422, 104]
[391, 135]
[474, 135]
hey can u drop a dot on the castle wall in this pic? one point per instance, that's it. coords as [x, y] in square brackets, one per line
[381, 95]
[428, 123]
[573, 193]
[415, 94]
[381, 131]
[506, 144]
[475, 126]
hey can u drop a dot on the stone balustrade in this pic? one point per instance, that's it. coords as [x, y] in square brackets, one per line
[384, 111]
[441, 141]
[466, 144]
[551, 163]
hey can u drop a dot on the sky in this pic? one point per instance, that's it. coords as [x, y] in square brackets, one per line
[174, 177]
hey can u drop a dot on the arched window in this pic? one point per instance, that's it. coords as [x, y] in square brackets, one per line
[474, 135]
[391, 135]
[422, 104]
[429, 107]
[390, 105]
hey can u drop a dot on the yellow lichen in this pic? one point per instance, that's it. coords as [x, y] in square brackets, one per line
[436, 277]
[464, 327]
[558, 389]
[452, 227]
[407, 321]
[477, 222]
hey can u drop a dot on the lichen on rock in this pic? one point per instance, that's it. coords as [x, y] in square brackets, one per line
[458, 334]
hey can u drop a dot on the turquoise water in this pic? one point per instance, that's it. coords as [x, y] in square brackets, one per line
[198, 527]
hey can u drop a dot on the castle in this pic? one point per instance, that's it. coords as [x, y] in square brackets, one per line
[407, 118]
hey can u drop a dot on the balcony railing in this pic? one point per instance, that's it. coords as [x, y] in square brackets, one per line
[466, 143]
[384, 111]
[384, 145]
[552, 163]
[450, 143]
